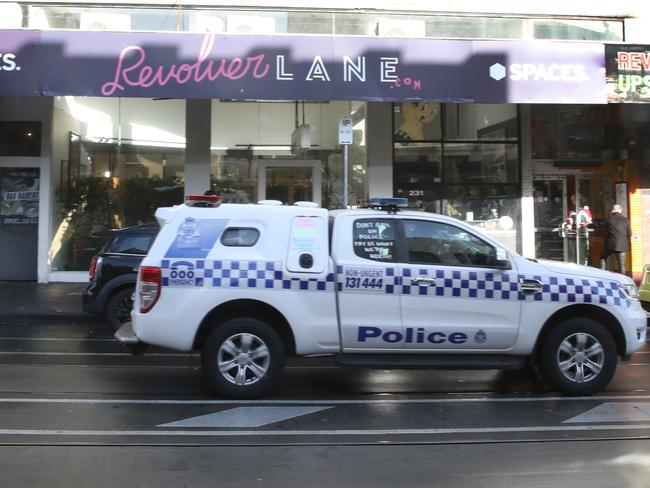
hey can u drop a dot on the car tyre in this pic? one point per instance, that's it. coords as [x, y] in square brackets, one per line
[578, 357]
[243, 358]
[118, 310]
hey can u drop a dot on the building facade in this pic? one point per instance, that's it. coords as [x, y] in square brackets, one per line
[509, 119]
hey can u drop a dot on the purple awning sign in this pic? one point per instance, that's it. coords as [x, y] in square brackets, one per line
[181, 65]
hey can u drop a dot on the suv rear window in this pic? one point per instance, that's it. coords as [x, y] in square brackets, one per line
[130, 244]
[240, 237]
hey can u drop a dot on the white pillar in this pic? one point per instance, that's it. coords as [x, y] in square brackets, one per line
[527, 200]
[380, 149]
[198, 118]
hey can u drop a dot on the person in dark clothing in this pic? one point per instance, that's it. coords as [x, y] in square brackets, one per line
[617, 238]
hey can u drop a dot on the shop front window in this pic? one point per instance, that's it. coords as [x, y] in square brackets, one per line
[417, 121]
[21, 139]
[247, 136]
[481, 121]
[574, 132]
[481, 163]
[118, 160]
[460, 160]
[418, 173]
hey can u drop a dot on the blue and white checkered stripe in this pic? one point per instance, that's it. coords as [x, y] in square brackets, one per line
[242, 274]
[451, 283]
[578, 290]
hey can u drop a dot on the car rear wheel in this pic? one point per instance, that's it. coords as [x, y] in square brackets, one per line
[579, 357]
[243, 358]
[118, 310]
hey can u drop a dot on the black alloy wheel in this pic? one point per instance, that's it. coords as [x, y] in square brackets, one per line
[243, 358]
[579, 357]
[119, 307]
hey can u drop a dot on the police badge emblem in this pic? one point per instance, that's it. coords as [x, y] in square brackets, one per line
[188, 233]
[480, 337]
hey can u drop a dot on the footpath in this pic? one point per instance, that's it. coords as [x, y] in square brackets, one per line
[45, 302]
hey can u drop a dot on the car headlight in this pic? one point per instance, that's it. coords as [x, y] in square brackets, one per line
[630, 291]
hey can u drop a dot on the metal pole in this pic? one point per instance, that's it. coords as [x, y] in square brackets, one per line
[577, 220]
[345, 176]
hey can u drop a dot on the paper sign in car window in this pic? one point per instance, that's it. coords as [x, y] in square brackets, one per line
[374, 239]
[196, 237]
[307, 240]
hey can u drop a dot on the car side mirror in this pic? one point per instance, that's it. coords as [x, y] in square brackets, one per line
[501, 260]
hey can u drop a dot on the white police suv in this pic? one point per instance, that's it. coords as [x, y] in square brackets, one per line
[248, 285]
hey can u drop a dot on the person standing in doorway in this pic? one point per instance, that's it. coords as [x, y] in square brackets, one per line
[617, 238]
[576, 229]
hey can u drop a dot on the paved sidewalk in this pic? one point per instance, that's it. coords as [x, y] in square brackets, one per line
[51, 302]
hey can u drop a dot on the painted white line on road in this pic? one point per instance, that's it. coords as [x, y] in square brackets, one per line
[55, 339]
[246, 417]
[41, 353]
[387, 401]
[335, 432]
[615, 412]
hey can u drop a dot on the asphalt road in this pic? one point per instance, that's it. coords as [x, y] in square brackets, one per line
[76, 409]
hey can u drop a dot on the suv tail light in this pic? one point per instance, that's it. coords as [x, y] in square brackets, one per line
[94, 267]
[202, 200]
[149, 287]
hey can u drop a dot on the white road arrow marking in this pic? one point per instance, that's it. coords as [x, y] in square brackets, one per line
[615, 412]
[246, 417]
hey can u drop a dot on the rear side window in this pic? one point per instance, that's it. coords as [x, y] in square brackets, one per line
[130, 244]
[240, 237]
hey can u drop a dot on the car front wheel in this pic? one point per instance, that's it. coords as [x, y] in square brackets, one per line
[243, 358]
[579, 357]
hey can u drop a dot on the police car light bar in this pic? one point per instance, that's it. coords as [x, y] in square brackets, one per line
[388, 204]
[202, 200]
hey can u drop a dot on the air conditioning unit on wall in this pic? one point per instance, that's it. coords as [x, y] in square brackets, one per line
[400, 28]
[249, 24]
[301, 139]
[105, 22]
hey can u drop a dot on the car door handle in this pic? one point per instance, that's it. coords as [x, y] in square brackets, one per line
[423, 281]
[530, 286]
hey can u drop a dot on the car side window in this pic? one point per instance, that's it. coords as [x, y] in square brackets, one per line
[130, 244]
[444, 244]
[240, 237]
[375, 239]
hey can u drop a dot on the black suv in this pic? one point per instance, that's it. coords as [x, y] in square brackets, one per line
[114, 271]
